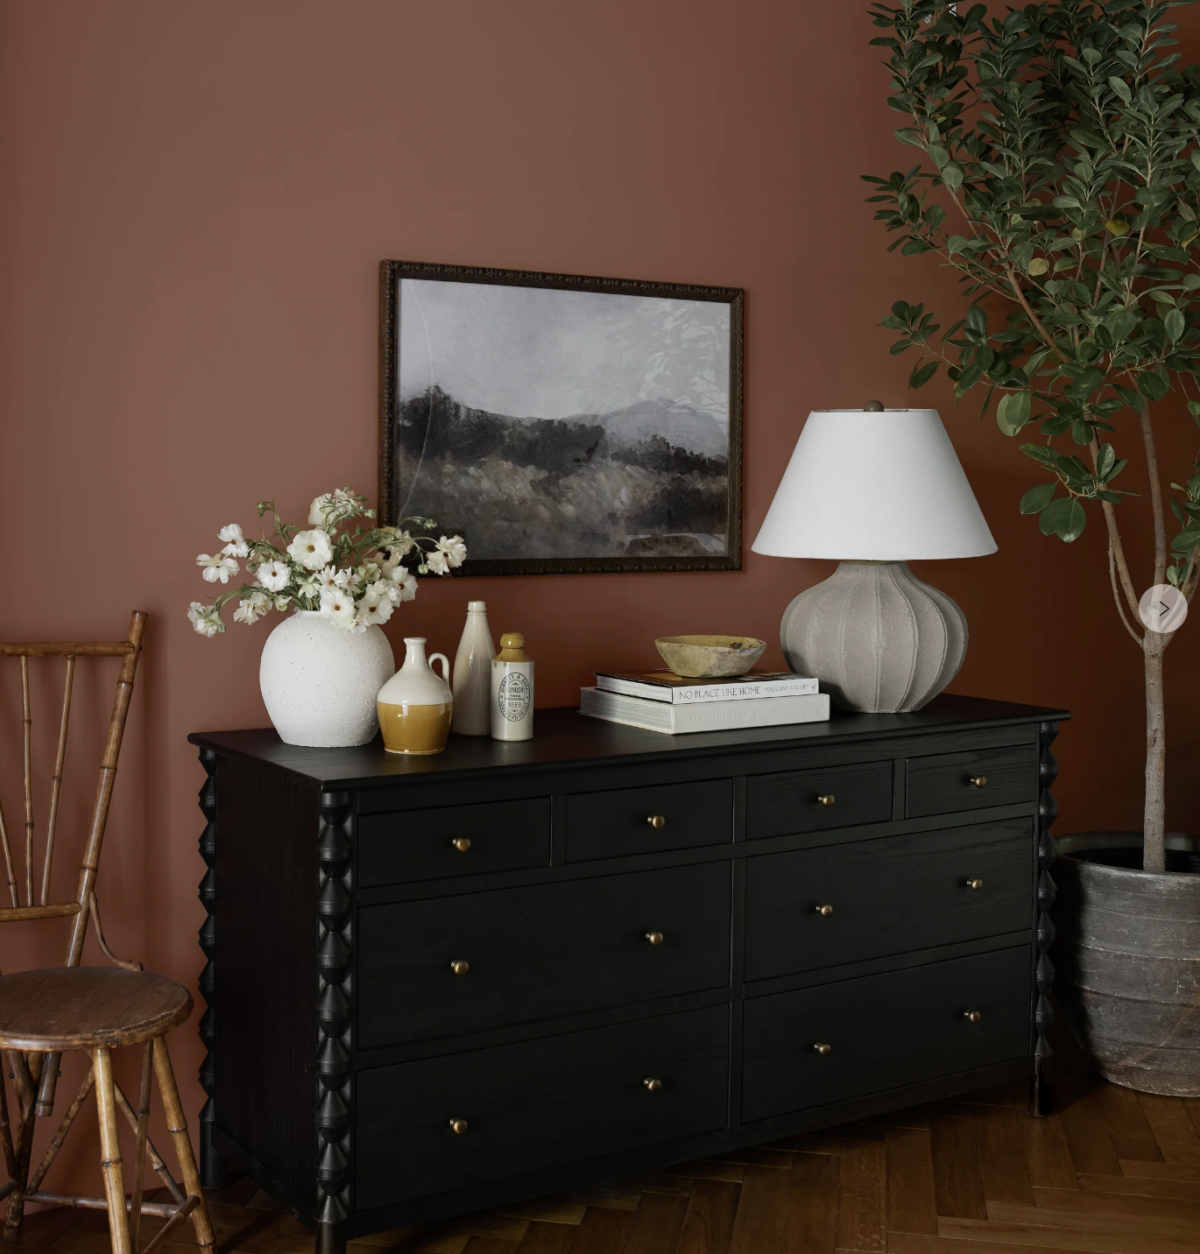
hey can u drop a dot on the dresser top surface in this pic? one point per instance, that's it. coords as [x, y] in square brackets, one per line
[564, 737]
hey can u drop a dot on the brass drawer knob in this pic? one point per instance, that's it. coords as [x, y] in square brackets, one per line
[975, 884]
[651, 1084]
[459, 967]
[461, 843]
[823, 1048]
[656, 821]
[655, 938]
[973, 1016]
[824, 911]
[826, 798]
[977, 781]
[458, 1126]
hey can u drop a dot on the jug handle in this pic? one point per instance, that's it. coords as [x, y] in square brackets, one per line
[433, 657]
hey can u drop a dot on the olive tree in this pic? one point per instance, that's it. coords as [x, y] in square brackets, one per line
[1058, 171]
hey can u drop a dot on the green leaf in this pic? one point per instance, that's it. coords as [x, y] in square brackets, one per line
[1175, 324]
[977, 321]
[922, 374]
[1081, 432]
[1194, 410]
[1013, 412]
[1063, 518]
[1151, 386]
[952, 176]
[1186, 541]
[1121, 87]
[1121, 325]
[1130, 397]
[955, 244]
[1036, 499]
[1039, 265]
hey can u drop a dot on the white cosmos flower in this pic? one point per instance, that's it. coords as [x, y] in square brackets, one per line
[329, 507]
[437, 562]
[346, 579]
[399, 546]
[338, 607]
[310, 589]
[375, 612]
[311, 549]
[251, 608]
[454, 549]
[274, 576]
[236, 545]
[205, 619]
[216, 567]
[404, 584]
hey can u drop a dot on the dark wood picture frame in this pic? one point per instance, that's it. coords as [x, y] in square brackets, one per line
[392, 273]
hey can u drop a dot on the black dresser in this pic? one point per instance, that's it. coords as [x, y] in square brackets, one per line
[437, 984]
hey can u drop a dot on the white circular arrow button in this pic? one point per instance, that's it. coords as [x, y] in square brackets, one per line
[1163, 608]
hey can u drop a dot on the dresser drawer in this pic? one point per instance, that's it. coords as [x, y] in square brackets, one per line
[821, 907]
[946, 782]
[453, 840]
[811, 801]
[535, 1103]
[647, 820]
[884, 1031]
[536, 953]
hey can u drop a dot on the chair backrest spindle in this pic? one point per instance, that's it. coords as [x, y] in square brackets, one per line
[56, 784]
[8, 863]
[27, 738]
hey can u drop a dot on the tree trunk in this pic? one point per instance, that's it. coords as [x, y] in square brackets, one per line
[1154, 857]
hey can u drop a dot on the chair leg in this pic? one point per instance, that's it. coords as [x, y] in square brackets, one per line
[139, 1153]
[24, 1082]
[177, 1126]
[114, 1176]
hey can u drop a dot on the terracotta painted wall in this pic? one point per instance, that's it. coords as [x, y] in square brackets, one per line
[196, 200]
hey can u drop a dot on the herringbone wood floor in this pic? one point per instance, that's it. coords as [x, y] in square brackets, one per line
[1111, 1171]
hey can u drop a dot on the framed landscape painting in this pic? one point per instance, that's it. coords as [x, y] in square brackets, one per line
[562, 424]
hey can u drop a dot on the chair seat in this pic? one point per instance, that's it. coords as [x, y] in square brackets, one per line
[64, 1008]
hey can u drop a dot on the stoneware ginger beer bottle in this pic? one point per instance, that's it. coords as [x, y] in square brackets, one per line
[512, 690]
[473, 674]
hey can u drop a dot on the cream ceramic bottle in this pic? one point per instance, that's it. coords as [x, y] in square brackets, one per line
[512, 690]
[473, 674]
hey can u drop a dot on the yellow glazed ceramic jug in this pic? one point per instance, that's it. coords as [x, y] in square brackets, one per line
[415, 706]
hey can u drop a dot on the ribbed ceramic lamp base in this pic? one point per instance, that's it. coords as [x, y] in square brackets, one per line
[879, 640]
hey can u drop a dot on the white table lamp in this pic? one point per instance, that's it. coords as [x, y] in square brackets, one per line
[875, 488]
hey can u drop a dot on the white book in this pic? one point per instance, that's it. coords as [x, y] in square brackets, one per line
[674, 719]
[669, 687]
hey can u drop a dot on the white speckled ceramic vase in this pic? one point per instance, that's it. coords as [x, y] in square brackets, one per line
[319, 681]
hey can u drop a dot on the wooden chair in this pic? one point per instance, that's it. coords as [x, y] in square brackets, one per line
[98, 1009]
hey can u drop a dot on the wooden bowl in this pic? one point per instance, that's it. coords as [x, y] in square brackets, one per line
[696, 657]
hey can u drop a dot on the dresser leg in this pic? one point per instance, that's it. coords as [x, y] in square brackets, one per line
[1041, 1095]
[214, 1173]
[331, 1239]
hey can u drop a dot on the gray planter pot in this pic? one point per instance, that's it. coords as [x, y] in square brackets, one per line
[1128, 958]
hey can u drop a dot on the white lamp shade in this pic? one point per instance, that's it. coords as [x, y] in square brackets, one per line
[874, 486]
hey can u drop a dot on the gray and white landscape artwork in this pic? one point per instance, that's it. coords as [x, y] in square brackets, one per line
[558, 424]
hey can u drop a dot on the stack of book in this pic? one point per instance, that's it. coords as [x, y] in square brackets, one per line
[662, 701]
